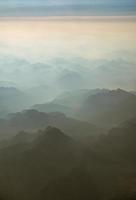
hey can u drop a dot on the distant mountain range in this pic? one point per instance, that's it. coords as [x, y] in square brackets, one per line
[11, 100]
[76, 98]
[32, 120]
[53, 107]
[100, 106]
[109, 108]
[69, 73]
[14, 100]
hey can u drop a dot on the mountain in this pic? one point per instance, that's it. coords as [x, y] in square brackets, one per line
[119, 144]
[103, 107]
[41, 93]
[108, 108]
[54, 166]
[68, 102]
[32, 120]
[53, 140]
[53, 107]
[11, 100]
[51, 156]
[133, 92]
[115, 153]
[69, 186]
[76, 98]
[70, 80]
[123, 138]
[108, 73]
[20, 138]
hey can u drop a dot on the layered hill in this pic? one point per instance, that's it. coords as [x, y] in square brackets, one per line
[32, 120]
[53, 166]
[109, 108]
[103, 107]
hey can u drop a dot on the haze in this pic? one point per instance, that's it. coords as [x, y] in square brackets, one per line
[67, 100]
[36, 52]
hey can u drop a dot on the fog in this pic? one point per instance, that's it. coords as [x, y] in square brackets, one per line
[67, 105]
[67, 54]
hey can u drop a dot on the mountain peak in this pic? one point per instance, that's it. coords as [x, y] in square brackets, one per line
[53, 137]
[119, 91]
[54, 132]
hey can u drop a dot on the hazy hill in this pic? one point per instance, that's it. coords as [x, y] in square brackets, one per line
[31, 120]
[100, 106]
[133, 92]
[68, 102]
[53, 107]
[70, 80]
[108, 108]
[76, 98]
[11, 100]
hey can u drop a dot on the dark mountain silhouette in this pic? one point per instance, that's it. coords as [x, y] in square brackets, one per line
[51, 156]
[115, 153]
[123, 139]
[119, 145]
[54, 141]
[21, 138]
[53, 136]
[68, 187]
[124, 197]
[54, 166]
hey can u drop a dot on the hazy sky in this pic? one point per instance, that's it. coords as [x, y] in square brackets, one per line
[95, 53]
[71, 7]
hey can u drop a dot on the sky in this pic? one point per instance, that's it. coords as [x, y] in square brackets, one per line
[95, 54]
[63, 7]
[96, 49]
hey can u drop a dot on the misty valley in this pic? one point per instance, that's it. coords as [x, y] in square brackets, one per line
[68, 100]
[79, 145]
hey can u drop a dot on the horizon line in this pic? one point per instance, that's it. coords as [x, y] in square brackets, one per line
[90, 17]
